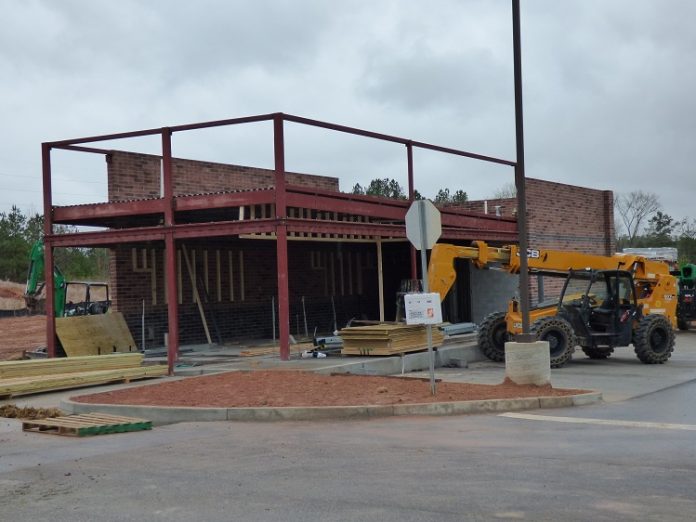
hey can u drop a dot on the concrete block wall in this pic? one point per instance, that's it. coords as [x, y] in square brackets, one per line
[138, 176]
[490, 292]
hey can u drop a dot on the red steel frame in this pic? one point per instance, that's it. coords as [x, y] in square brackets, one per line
[456, 224]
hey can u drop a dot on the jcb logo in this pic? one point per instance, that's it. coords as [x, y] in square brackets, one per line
[669, 297]
[531, 253]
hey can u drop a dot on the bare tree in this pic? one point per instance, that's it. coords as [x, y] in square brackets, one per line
[634, 208]
[509, 190]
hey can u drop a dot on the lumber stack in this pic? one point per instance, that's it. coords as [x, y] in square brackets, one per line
[42, 375]
[387, 339]
[32, 367]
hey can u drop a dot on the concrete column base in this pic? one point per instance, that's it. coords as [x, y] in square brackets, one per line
[528, 363]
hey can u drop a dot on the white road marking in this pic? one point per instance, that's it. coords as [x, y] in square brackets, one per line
[601, 422]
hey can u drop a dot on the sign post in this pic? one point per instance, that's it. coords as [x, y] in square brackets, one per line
[423, 228]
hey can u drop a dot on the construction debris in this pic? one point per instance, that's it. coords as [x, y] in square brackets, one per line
[12, 411]
[386, 339]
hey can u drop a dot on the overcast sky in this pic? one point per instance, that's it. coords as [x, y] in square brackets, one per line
[609, 89]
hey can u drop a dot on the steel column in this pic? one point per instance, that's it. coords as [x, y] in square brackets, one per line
[48, 251]
[281, 239]
[519, 174]
[167, 182]
[170, 253]
[172, 302]
[411, 198]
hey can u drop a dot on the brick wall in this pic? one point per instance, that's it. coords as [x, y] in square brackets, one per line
[138, 176]
[567, 217]
[241, 280]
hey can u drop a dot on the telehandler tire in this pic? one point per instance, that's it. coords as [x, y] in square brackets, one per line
[654, 339]
[560, 335]
[682, 325]
[492, 336]
[597, 353]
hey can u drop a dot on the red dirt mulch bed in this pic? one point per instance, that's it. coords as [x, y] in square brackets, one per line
[297, 388]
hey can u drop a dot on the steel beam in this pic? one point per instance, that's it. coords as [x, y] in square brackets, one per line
[77, 213]
[224, 200]
[344, 205]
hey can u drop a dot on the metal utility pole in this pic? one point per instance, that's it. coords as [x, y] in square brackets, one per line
[520, 175]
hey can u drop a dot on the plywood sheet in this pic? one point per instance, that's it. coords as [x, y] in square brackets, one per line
[94, 334]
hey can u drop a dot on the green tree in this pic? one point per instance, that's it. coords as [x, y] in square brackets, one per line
[443, 196]
[384, 187]
[18, 233]
[13, 245]
[660, 229]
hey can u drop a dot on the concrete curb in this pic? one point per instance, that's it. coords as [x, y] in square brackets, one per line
[160, 415]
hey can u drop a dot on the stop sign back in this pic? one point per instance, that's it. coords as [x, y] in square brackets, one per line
[423, 223]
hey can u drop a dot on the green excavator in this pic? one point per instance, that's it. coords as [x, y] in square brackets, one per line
[62, 307]
[686, 303]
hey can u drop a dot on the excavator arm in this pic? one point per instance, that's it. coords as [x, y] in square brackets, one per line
[35, 281]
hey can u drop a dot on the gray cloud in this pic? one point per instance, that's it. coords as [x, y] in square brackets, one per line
[608, 87]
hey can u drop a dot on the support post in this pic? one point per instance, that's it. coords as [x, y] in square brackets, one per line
[281, 238]
[48, 251]
[170, 252]
[380, 280]
[172, 301]
[411, 198]
[520, 174]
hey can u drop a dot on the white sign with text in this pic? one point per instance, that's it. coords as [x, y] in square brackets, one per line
[423, 308]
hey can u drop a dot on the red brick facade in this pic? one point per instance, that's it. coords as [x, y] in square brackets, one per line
[137, 176]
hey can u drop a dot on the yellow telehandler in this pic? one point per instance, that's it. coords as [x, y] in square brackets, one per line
[605, 301]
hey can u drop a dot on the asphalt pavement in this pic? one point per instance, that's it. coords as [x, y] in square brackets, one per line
[631, 457]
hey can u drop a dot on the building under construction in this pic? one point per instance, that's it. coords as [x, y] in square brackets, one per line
[210, 251]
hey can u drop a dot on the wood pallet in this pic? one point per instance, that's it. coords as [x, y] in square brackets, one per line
[86, 424]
